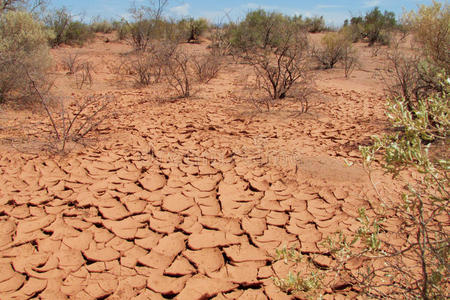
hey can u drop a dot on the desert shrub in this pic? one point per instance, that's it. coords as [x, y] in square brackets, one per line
[77, 33]
[147, 25]
[312, 25]
[72, 121]
[418, 267]
[122, 29]
[28, 5]
[58, 21]
[102, 26]
[331, 50]
[315, 24]
[178, 72]
[84, 76]
[259, 29]
[71, 63]
[416, 76]
[23, 48]
[66, 30]
[148, 67]
[192, 28]
[278, 68]
[221, 40]
[206, 67]
[430, 26]
[350, 59]
[377, 26]
[354, 30]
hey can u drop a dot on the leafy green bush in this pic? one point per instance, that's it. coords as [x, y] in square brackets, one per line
[375, 26]
[23, 50]
[77, 33]
[66, 30]
[259, 29]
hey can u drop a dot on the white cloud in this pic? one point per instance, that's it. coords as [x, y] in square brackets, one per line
[181, 10]
[372, 3]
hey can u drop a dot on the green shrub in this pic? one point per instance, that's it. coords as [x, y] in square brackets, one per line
[377, 26]
[193, 28]
[77, 33]
[58, 21]
[101, 26]
[315, 24]
[430, 26]
[415, 77]
[259, 29]
[67, 31]
[23, 50]
[122, 29]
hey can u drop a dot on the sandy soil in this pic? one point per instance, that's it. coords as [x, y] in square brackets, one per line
[185, 199]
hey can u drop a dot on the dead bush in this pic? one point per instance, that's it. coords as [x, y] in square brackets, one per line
[206, 67]
[350, 59]
[302, 94]
[148, 67]
[280, 68]
[71, 121]
[220, 41]
[84, 76]
[178, 71]
[71, 63]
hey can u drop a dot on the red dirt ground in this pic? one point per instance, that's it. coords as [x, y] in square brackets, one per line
[186, 199]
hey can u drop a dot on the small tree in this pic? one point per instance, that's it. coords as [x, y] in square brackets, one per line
[259, 29]
[377, 26]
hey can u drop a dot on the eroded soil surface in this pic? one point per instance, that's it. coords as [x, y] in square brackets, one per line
[186, 199]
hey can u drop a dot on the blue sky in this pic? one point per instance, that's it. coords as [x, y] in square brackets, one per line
[335, 12]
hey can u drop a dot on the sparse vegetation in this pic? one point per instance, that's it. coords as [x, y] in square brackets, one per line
[178, 71]
[206, 67]
[223, 196]
[193, 28]
[375, 27]
[66, 30]
[71, 121]
[332, 49]
[415, 76]
[23, 48]
[418, 268]
[103, 26]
